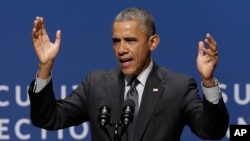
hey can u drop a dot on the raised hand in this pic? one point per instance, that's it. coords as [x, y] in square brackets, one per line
[46, 50]
[207, 60]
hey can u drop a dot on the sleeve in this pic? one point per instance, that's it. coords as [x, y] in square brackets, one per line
[212, 94]
[49, 113]
[206, 120]
[40, 84]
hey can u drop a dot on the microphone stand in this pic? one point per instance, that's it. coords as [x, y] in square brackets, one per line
[116, 133]
[126, 119]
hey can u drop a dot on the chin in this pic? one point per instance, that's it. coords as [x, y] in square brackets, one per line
[128, 72]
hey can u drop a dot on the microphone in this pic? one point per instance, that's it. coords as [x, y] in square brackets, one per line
[127, 114]
[104, 117]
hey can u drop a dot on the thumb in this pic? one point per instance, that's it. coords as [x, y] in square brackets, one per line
[58, 37]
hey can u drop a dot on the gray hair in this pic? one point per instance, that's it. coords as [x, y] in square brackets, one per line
[140, 15]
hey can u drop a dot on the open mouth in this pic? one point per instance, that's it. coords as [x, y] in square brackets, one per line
[125, 61]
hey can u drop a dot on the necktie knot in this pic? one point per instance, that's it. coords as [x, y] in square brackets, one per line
[133, 82]
[132, 92]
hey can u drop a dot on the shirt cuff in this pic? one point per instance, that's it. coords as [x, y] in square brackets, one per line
[212, 94]
[40, 84]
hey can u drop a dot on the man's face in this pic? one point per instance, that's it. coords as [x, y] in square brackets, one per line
[132, 47]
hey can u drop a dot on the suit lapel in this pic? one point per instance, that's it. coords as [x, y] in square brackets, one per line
[151, 95]
[115, 91]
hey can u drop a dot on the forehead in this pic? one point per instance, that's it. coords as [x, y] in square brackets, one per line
[127, 28]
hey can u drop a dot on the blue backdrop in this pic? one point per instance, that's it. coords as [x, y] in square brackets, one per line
[86, 46]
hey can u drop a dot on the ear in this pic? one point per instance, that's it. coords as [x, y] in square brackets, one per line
[154, 41]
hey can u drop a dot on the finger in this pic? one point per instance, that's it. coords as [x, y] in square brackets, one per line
[200, 48]
[58, 37]
[34, 36]
[39, 25]
[211, 42]
[210, 39]
[35, 28]
[211, 46]
[43, 29]
[207, 52]
[210, 56]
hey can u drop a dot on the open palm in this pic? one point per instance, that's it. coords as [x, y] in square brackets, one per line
[44, 48]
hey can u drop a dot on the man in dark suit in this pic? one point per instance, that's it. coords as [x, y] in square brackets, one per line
[167, 101]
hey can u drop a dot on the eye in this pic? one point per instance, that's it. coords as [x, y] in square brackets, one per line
[130, 39]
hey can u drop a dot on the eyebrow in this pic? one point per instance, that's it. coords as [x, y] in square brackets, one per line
[126, 39]
[115, 39]
[130, 39]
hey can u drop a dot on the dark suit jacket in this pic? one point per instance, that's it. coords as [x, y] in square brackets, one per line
[162, 115]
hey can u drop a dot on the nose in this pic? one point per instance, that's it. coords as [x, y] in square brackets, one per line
[122, 49]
